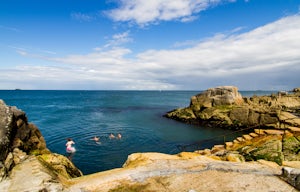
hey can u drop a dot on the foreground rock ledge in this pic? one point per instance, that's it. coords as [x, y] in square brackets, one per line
[184, 172]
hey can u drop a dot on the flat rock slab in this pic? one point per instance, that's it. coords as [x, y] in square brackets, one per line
[198, 173]
[31, 176]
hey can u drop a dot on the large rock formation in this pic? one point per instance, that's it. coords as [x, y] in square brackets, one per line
[17, 138]
[23, 154]
[225, 107]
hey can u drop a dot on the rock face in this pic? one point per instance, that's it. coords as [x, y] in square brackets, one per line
[225, 95]
[184, 172]
[22, 147]
[16, 134]
[225, 107]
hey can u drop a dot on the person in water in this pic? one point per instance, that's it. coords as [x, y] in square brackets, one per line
[119, 136]
[112, 136]
[96, 139]
[69, 146]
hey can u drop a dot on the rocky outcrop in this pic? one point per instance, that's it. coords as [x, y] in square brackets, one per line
[278, 146]
[226, 95]
[225, 107]
[22, 147]
[18, 138]
[184, 172]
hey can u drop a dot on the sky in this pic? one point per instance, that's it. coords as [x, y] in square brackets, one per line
[149, 45]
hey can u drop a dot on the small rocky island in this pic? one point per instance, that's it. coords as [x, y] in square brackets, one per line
[265, 159]
[225, 107]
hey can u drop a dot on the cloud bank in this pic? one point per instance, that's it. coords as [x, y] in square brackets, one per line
[264, 58]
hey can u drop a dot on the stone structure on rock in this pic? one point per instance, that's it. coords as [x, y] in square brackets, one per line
[225, 107]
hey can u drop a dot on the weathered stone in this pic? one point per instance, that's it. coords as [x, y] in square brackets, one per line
[239, 116]
[240, 139]
[31, 175]
[19, 141]
[292, 176]
[253, 134]
[168, 173]
[60, 165]
[247, 137]
[235, 157]
[273, 132]
[259, 131]
[224, 107]
[228, 145]
[271, 150]
[296, 89]
[19, 156]
[9, 161]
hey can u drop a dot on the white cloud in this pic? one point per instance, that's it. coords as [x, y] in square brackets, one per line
[110, 57]
[264, 58]
[119, 39]
[144, 12]
[266, 49]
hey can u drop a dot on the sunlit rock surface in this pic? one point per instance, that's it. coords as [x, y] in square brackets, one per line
[224, 107]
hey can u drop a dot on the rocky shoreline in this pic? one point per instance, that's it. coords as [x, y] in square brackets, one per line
[266, 159]
[26, 164]
[225, 107]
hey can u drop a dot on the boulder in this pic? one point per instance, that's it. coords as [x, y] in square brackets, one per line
[224, 95]
[296, 90]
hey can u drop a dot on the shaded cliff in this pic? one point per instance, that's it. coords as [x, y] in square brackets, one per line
[23, 148]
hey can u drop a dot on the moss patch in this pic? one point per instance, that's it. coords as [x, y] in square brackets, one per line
[270, 150]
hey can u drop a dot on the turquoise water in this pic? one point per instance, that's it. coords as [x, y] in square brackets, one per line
[137, 115]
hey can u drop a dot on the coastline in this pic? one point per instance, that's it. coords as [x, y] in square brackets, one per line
[154, 171]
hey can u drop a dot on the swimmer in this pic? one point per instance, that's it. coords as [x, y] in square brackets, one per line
[111, 136]
[69, 147]
[119, 136]
[96, 139]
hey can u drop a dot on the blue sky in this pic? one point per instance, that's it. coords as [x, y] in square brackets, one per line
[149, 45]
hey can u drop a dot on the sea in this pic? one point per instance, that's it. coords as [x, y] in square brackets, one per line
[136, 115]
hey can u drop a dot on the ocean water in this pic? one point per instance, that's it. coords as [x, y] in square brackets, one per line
[136, 115]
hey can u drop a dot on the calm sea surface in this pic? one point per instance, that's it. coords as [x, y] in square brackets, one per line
[137, 115]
